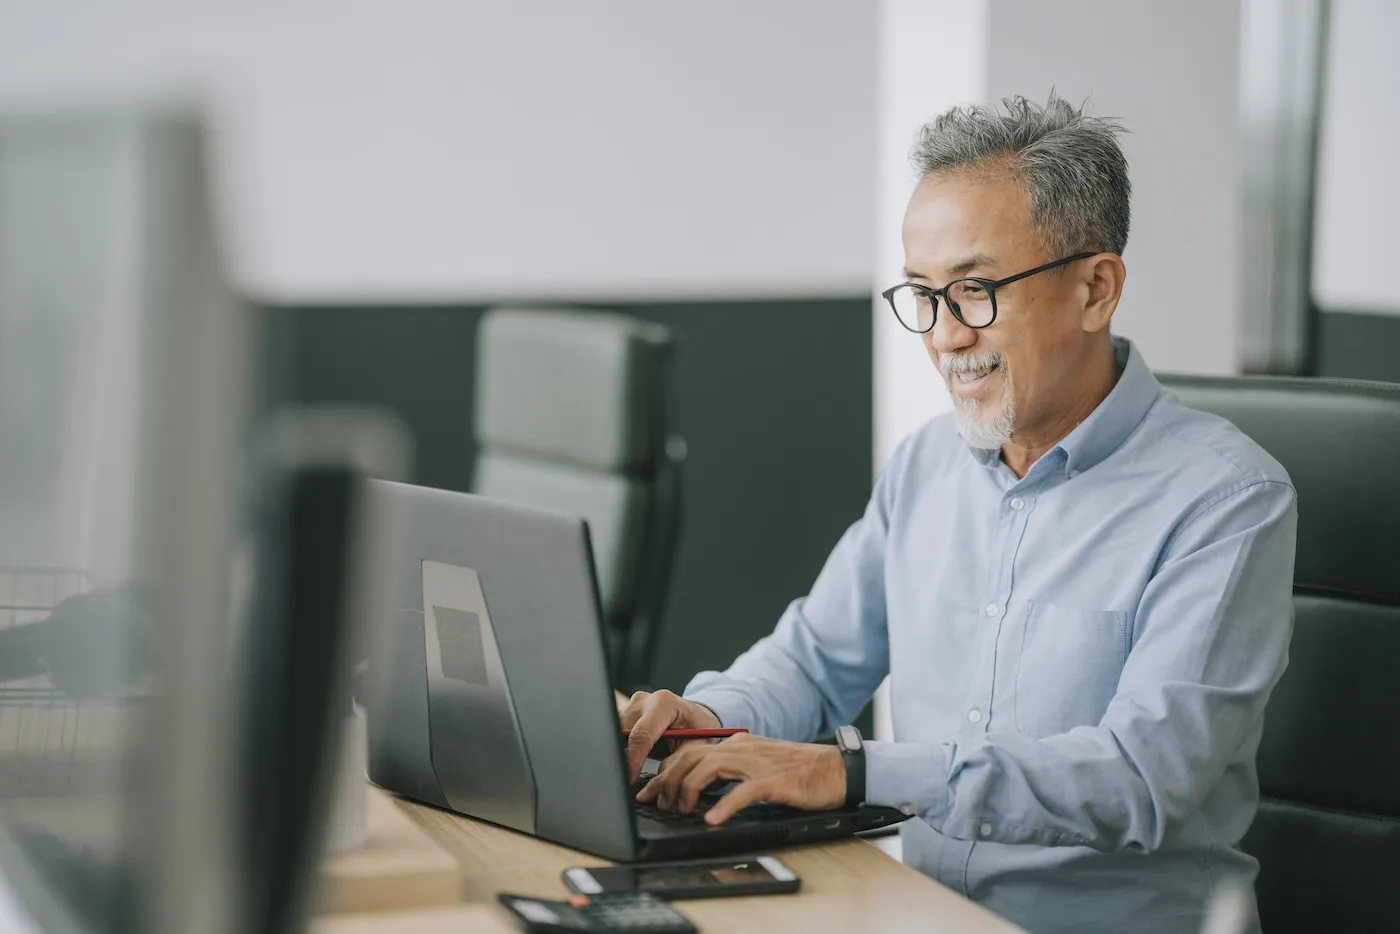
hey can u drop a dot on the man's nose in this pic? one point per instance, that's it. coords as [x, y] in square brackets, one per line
[949, 335]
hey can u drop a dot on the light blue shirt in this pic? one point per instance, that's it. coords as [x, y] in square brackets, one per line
[1078, 660]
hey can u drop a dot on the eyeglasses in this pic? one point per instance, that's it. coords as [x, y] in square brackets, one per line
[972, 301]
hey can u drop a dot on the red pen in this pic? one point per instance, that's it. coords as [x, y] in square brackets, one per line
[696, 734]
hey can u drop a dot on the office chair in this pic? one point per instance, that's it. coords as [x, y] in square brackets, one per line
[1327, 836]
[572, 415]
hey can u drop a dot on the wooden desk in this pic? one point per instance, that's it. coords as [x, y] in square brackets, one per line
[463, 919]
[846, 886]
[398, 867]
[850, 886]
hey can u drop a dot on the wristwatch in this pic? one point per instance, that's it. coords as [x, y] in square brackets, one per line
[853, 752]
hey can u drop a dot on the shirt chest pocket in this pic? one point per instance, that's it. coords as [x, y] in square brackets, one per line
[1067, 664]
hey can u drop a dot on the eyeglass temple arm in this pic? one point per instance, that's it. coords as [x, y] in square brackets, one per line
[998, 283]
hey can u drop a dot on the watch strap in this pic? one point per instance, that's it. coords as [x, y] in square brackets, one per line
[854, 759]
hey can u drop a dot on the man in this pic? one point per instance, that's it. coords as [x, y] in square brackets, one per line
[1080, 589]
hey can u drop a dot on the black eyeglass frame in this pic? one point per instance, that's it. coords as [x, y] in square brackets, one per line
[990, 285]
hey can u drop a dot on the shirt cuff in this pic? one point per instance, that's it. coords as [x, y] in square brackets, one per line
[911, 777]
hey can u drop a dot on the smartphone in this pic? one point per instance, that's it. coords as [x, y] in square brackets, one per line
[710, 878]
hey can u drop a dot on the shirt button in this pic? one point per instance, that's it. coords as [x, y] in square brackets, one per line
[991, 609]
[974, 715]
[907, 810]
[985, 830]
[1073, 474]
[1018, 503]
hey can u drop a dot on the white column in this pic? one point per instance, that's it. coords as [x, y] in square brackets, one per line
[932, 55]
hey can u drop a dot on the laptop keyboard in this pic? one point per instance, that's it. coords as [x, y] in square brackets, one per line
[696, 818]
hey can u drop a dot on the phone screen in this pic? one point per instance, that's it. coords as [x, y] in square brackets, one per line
[663, 879]
[660, 878]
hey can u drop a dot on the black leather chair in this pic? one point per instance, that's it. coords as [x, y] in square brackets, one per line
[572, 414]
[1328, 832]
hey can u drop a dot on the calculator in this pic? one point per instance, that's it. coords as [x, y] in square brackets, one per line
[619, 912]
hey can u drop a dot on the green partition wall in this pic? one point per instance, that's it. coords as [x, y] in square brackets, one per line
[773, 398]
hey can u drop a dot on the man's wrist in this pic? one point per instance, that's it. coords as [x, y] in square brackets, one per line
[718, 722]
[728, 709]
[837, 770]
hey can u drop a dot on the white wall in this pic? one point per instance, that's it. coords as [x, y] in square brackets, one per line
[1358, 188]
[500, 148]
[1170, 72]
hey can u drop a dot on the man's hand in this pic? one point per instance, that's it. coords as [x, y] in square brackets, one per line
[802, 775]
[649, 715]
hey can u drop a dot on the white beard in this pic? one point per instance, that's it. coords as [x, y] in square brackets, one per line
[989, 434]
[979, 431]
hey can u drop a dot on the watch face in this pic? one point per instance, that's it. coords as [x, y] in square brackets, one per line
[848, 738]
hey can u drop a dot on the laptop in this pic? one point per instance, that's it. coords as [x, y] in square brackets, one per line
[488, 692]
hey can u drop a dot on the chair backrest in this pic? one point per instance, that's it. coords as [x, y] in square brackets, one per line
[572, 415]
[1327, 836]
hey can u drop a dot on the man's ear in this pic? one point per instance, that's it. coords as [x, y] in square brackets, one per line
[1105, 275]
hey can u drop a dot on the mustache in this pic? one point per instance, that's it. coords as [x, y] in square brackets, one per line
[948, 364]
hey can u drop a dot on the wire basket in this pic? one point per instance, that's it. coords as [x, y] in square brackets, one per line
[52, 744]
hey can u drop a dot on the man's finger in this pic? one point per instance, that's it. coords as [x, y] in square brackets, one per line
[740, 797]
[676, 767]
[653, 788]
[715, 766]
[636, 706]
[646, 730]
[638, 748]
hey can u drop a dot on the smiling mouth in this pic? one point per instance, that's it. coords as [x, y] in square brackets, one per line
[974, 377]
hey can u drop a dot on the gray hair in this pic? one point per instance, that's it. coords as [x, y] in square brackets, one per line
[1070, 165]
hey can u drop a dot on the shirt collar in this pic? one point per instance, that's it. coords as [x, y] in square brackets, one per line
[1115, 418]
[1109, 425]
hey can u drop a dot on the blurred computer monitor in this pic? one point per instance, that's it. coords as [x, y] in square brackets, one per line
[123, 370]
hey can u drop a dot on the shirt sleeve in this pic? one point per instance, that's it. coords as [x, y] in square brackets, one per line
[830, 650]
[1212, 633]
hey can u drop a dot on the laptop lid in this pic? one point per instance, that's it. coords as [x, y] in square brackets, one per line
[489, 683]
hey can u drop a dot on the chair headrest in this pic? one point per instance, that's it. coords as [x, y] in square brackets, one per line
[571, 386]
[1339, 440]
